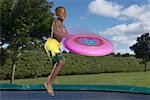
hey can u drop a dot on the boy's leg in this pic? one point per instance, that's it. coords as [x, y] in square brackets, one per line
[55, 80]
[54, 73]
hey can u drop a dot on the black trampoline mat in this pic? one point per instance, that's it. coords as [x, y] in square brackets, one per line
[70, 95]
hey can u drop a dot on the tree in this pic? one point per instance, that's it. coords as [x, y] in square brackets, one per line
[3, 56]
[118, 55]
[126, 55]
[142, 48]
[19, 19]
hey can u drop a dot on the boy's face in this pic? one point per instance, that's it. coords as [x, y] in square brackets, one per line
[61, 13]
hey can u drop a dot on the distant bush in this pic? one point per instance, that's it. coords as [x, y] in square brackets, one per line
[35, 63]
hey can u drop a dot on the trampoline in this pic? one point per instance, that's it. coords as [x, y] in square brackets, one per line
[74, 92]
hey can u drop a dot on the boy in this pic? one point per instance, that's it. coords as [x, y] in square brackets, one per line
[58, 32]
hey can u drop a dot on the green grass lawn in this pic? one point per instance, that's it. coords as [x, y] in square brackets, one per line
[132, 79]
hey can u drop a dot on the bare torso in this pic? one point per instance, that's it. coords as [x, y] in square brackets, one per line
[59, 30]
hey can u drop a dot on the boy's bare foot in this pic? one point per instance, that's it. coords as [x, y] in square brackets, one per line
[49, 88]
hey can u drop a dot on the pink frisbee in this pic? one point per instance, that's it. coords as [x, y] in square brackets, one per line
[88, 45]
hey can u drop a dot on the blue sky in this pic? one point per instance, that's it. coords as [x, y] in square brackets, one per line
[119, 21]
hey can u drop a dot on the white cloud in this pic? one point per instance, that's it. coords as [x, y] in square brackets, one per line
[123, 39]
[119, 38]
[102, 7]
[137, 12]
[112, 9]
[125, 34]
[129, 29]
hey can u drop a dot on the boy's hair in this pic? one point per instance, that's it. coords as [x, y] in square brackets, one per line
[59, 8]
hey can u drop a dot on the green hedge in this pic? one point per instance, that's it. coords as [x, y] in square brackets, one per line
[35, 63]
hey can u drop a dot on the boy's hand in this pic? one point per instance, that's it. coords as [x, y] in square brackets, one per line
[68, 35]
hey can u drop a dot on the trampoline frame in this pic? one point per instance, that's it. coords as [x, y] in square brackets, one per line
[107, 88]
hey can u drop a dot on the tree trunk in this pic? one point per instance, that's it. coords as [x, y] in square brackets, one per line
[145, 67]
[13, 67]
[13, 73]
